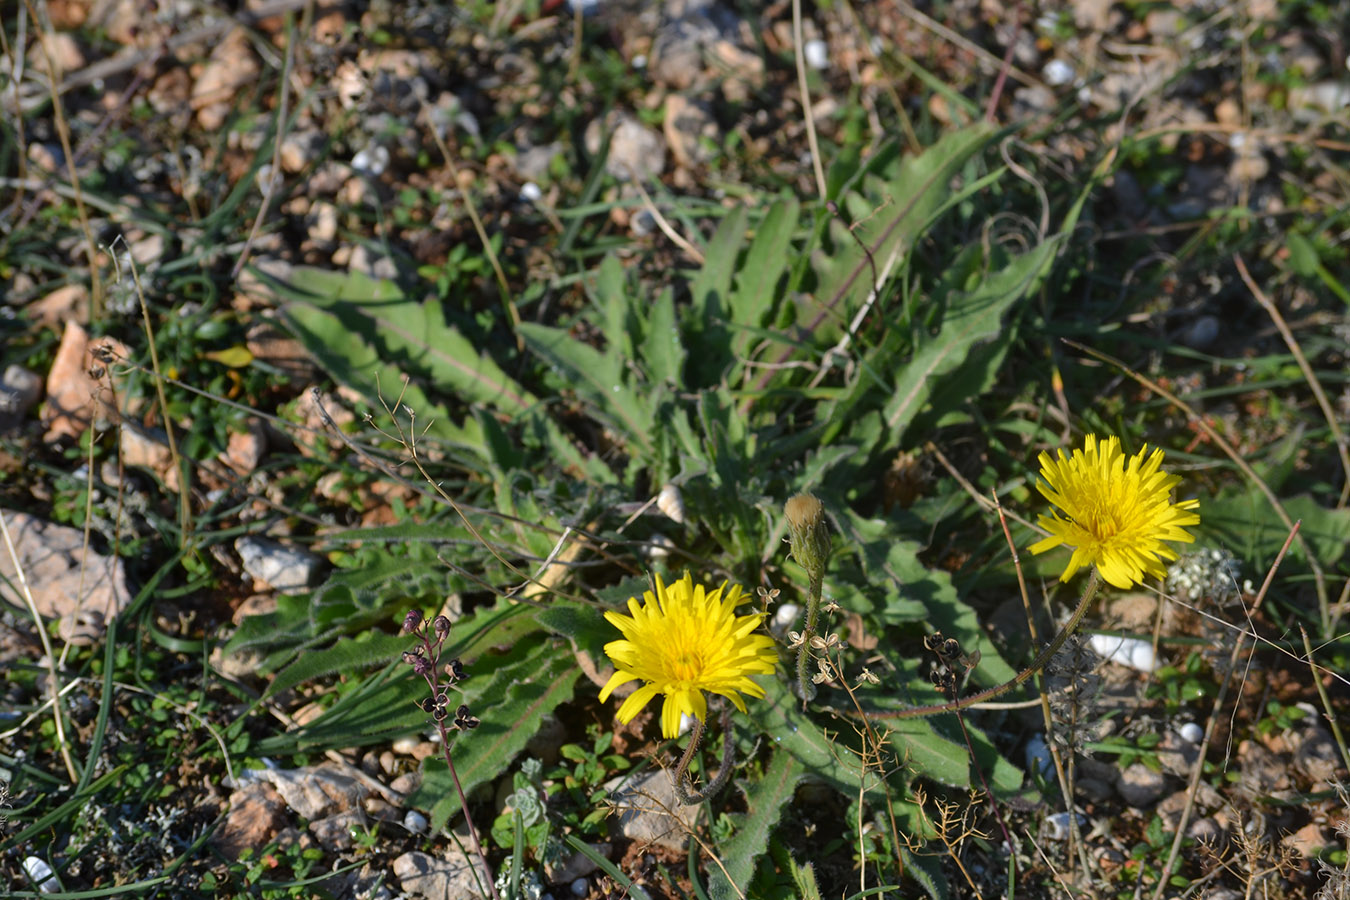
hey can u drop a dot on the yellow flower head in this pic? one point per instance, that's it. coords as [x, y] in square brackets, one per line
[684, 640]
[1119, 511]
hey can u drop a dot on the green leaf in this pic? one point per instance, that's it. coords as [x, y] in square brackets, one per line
[706, 333]
[375, 710]
[662, 350]
[886, 221]
[927, 871]
[597, 378]
[764, 801]
[971, 318]
[711, 286]
[887, 558]
[414, 330]
[1244, 521]
[824, 755]
[757, 278]
[343, 343]
[585, 626]
[344, 656]
[1303, 257]
[612, 294]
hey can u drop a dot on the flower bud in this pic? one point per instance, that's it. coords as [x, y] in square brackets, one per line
[808, 533]
[442, 626]
[412, 620]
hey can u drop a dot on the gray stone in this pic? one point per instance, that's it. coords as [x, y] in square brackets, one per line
[284, 568]
[576, 865]
[335, 832]
[636, 152]
[1177, 756]
[257, 815]
[1140, 786]
[314, 791]
[1315, 754]
[532, 163]
[1201, 334]
[422, 875]
[691, 131]
[19, 392]
[67, 580]
[650, 812]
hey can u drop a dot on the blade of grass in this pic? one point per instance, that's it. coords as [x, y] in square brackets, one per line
[607, 867]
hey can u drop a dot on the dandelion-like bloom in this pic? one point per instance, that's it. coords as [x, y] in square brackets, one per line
[1119, 511]
[684, 640]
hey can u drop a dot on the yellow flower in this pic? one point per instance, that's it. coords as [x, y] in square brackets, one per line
[1119, 511]
[684, 640]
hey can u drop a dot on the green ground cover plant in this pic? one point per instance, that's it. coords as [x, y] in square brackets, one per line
[804, 499]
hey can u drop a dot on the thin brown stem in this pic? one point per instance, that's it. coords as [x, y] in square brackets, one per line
[1037, 664]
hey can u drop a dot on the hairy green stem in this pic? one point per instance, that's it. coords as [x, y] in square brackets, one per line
[681, 777]
[805, 687]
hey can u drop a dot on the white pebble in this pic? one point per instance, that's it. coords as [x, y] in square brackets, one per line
[371, 161]
[817, 54]
[1057, 826]
[640, 61]
[41, 874]
[1191, 733]
[785, 617]
[415, 822]
[530, 192]
[1127, 651]
[659, 547]
[1057, 73]
[642, 224]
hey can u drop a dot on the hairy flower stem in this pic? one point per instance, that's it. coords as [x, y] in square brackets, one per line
[1037, 664]
[809, 538]
[681, 777]
[806, 688]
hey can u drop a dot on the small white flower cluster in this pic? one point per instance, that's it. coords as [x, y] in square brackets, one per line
[1205, 573]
